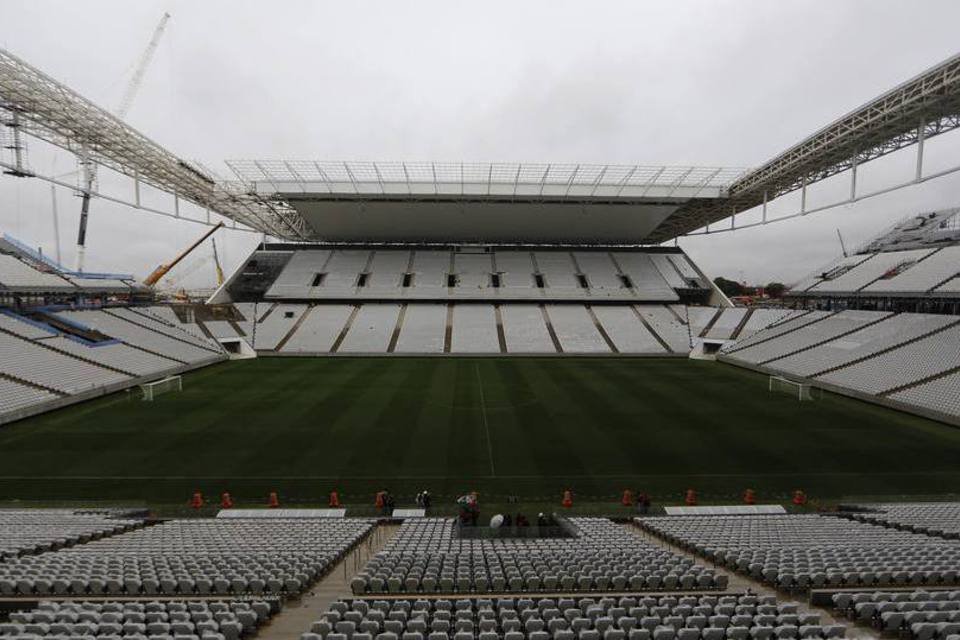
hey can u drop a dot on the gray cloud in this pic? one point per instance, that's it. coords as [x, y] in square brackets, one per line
[711, 83]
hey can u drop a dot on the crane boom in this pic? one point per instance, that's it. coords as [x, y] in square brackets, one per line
[141, 69]
[164, 269]
[89, 169]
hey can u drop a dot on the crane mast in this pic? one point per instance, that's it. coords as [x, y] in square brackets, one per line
[88, 167]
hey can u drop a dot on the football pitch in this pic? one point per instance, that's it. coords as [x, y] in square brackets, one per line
[529, 427]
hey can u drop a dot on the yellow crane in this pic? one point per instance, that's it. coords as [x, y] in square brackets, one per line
[164, 269]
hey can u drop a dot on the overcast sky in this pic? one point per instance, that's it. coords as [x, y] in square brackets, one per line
[714, 83]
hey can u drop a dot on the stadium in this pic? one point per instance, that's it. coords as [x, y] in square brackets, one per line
[478, 400]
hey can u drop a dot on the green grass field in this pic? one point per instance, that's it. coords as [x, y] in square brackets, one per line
[528, 427]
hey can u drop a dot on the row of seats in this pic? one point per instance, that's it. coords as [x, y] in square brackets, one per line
[156, 620]
[936, 518]
[428, 556]
[804, 551]
[30, 531]
[704, 617]
[190, 557]
[924, 615]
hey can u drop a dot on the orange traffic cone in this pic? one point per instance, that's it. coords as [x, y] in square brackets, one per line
[226, 500]
[691, 498]
[334, 501]
[749, 497]
[273, 501]
[799, 498]
[567, 499]
[197, 500]
[627, 498]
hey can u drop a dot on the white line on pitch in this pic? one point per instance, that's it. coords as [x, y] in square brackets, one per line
[486, 425]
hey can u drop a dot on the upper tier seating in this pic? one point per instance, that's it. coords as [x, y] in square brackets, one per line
[921, 276]
[870, 270]
[428, 556]
[809, 551]
[670, 617]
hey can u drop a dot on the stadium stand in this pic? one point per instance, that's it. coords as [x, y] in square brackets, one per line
[190, 557]
[933, 518]
[50, 369]
[908, 360]
[725, 325]
[509, 328]
[650, 617]
[145, 334]
[319, 331]
[428, 556]
[801, 552]
[862, 343]
[475, 273]
[940, 395]
[919, 615]
[809, 335]
[424, 327]
[763, 318]
[16, 275]
[474, 329]
[55, 358]
[202, 619]
[32, 531]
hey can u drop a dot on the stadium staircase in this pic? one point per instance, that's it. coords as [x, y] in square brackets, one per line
[596, 322]
[498, 315]
[710, 323]
[743, 322]
[293, 329]
[395, 336]
[346, 329]
[297, 615]
[546, 320]
[653, 332]
[917, 383]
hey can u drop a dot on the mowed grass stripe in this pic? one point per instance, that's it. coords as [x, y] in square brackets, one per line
[306, 425]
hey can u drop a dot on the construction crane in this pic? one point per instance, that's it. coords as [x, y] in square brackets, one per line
[88, 167]
[164, 269]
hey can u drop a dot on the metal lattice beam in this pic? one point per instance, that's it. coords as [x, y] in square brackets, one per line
[47, 109]
[920, 108]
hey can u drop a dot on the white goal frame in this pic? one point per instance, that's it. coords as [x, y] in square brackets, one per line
[802, 391]
[158, 387]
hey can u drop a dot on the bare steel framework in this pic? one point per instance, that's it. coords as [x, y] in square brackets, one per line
[39, 106]
[916, 110]
[925, 106]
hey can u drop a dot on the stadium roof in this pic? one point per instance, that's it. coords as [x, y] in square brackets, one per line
[478, 202]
